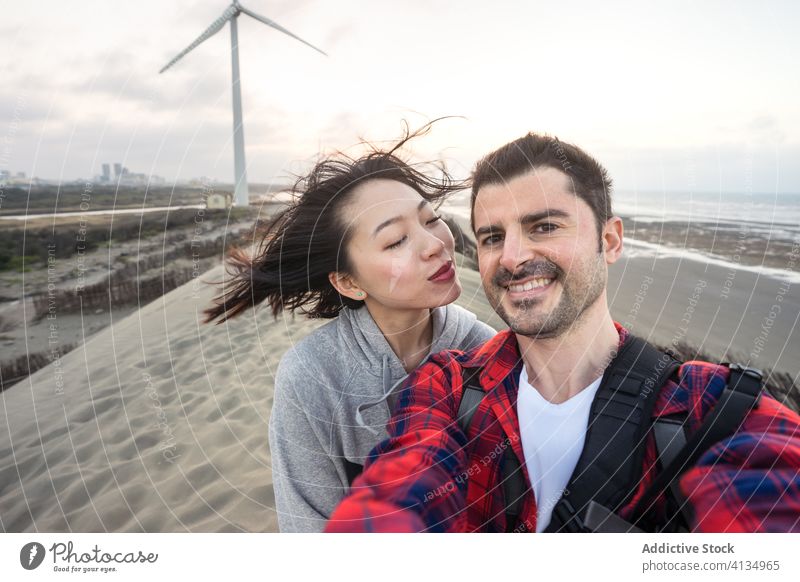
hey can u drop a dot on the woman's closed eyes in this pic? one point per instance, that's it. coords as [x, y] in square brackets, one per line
[394, 245]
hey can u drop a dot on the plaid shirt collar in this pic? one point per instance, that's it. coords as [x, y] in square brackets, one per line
[500, 356]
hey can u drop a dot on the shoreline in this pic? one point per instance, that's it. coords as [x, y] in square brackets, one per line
[746, 243]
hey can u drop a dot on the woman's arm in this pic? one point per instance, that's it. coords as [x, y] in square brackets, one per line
[306, 482]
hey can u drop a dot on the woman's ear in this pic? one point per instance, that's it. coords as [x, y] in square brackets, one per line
[345, 285]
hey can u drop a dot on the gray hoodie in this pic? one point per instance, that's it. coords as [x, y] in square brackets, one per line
[334, 390]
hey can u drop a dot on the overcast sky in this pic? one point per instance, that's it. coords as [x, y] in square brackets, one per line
[675, 96]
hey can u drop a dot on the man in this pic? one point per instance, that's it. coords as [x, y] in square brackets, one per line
[545, 233]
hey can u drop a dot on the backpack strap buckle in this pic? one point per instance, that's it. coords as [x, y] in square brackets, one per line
[568, 517]
[600, 519]
[746, 380]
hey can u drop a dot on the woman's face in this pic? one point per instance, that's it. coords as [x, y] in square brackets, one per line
[401, 252]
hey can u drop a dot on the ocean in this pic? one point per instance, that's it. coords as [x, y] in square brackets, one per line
[775, 214]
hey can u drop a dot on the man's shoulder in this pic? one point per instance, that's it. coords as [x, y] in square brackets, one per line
[696, 386]
[699, 372]
[476, 356]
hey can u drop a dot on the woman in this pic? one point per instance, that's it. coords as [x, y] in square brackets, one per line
[362, 244]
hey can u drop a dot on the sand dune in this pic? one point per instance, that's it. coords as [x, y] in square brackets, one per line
[157, 423]
[161, 425]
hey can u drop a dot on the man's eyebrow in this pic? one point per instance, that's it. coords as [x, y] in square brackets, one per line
[527, 219]
[394, 219]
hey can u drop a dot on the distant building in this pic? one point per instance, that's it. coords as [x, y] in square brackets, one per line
[124, 177]
[203, 181]
[219, 200]
[5, 174]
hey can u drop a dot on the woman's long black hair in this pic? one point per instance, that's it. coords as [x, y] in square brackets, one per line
[308, 240]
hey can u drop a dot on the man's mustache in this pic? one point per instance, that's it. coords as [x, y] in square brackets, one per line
[543, 268]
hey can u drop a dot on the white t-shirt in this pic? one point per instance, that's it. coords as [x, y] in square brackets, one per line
[552, 440]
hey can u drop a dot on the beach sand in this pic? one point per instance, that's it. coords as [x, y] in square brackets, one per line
[158, 423]
[733, 315]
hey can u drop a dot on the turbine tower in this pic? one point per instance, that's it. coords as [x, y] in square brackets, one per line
[231, 14]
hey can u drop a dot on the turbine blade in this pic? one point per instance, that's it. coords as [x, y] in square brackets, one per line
[215, 27]
[277, 26]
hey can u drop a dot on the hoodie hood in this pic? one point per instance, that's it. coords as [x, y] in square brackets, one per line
[366, 343]
[359, 334]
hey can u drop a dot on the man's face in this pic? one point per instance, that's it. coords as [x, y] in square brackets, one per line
[538, 253]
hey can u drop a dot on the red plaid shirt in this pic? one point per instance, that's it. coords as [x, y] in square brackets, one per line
[429, 476]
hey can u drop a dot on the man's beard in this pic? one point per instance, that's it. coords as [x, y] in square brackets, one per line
[579, 291]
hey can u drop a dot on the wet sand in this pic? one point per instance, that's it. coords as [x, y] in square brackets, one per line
[732, 314]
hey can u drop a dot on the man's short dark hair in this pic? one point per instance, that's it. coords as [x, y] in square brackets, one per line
[590, 180]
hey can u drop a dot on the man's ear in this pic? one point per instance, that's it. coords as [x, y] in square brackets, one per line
[345, 285]
[612, 239]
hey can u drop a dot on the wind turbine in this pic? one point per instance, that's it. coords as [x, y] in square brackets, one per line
[231, 14]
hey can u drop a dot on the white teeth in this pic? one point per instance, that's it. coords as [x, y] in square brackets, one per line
[529, 285]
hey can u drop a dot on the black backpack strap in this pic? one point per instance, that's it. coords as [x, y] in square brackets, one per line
[742, 394]
[513, 480]
[670, 439]
[352, 470]
[512, 477]
[670, 435]
[471, 397]
[610, 465]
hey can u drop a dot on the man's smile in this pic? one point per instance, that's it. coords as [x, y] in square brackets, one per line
[530, 287]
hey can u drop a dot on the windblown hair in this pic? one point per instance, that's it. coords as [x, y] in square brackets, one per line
[590, 180]
[309, 239]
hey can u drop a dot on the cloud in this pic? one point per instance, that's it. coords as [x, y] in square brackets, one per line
[336, 36]
[93, 67]
[765, 129]
[26, 108]
[735, 167]
[123, 78]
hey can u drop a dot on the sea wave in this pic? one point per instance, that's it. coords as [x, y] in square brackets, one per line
[639, 248]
